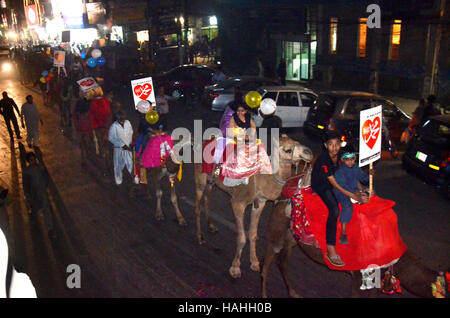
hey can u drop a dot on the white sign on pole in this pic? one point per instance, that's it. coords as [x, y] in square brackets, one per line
[143, 90]
[370, 123]
[87, 83]
[59, 58]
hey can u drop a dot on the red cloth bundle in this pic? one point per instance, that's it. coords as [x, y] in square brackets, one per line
[99, 111]
[372, 232]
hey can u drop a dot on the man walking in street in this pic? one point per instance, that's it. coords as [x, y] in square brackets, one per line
[120, 135]
[35, 181]
[32, 119]
[7, 107]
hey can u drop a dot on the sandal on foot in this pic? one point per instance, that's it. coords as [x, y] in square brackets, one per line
[335, 260]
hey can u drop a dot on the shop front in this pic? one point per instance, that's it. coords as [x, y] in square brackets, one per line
[300, 55]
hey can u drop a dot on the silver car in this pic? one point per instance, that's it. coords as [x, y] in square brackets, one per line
[293, 104]
[219, 96]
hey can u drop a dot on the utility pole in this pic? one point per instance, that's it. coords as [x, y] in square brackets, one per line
[433, 45]
[186, 30]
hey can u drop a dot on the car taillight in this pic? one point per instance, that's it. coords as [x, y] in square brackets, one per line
[213, 96]
[445, 159]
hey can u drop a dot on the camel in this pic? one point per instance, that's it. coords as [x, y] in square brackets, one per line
[156, 175]
[260, 189]
[413, 275]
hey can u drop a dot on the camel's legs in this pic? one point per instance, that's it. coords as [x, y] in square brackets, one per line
[174, 200]
[200, 185]
[282, 262]
[238, 210]
[267, 261]
[159, 193]
[207, 193]
[258, 206]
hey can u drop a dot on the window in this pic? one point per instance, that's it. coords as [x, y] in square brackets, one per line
[362, 37]
[395, 39]
[288, 99]
[308, 100]
[333, 35]
[354, 106]
[272, 95]
[389, 109]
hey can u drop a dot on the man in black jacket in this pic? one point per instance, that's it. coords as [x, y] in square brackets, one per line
[7, 107]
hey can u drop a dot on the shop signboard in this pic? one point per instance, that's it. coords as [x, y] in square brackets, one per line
[32, 16]
[70, 11]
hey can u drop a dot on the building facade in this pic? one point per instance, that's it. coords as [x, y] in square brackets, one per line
[408, 55]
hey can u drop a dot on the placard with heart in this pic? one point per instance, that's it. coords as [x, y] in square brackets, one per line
[143, 90]
[371, 131]
[87, 83]
[370, 123]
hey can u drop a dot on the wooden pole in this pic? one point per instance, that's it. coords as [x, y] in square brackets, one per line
[370, 180]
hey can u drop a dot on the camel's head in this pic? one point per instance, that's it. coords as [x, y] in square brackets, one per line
[292, 151]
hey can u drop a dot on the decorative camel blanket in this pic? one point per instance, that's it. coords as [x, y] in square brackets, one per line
[237, 162]
[372, 232]
[157, 147]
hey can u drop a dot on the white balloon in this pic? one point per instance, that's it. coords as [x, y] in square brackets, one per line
[96, 53]
[268, 106]
[143, 106]
[176, 94]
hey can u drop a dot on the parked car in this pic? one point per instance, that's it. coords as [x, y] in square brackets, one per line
[185, 79]
[428, 153]
[219, 96]
[340, 110]
[293, 104]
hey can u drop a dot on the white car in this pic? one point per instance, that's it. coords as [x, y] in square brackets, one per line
[293, 104]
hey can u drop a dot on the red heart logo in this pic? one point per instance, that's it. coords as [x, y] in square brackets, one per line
[86, 83]
[371, 131]
[143, 91]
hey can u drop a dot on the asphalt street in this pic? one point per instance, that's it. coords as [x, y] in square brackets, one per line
[123, 251]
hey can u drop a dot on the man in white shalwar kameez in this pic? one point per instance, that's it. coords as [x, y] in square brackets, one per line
[120, 135]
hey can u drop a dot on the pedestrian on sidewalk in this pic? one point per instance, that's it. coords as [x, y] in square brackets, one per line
[32, 119]
[83, 127]
[162, 106]
[282, 72]
[120, 135]
[7, 107]
[35, 181]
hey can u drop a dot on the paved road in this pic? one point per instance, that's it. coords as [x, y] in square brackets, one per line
[123, 251]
